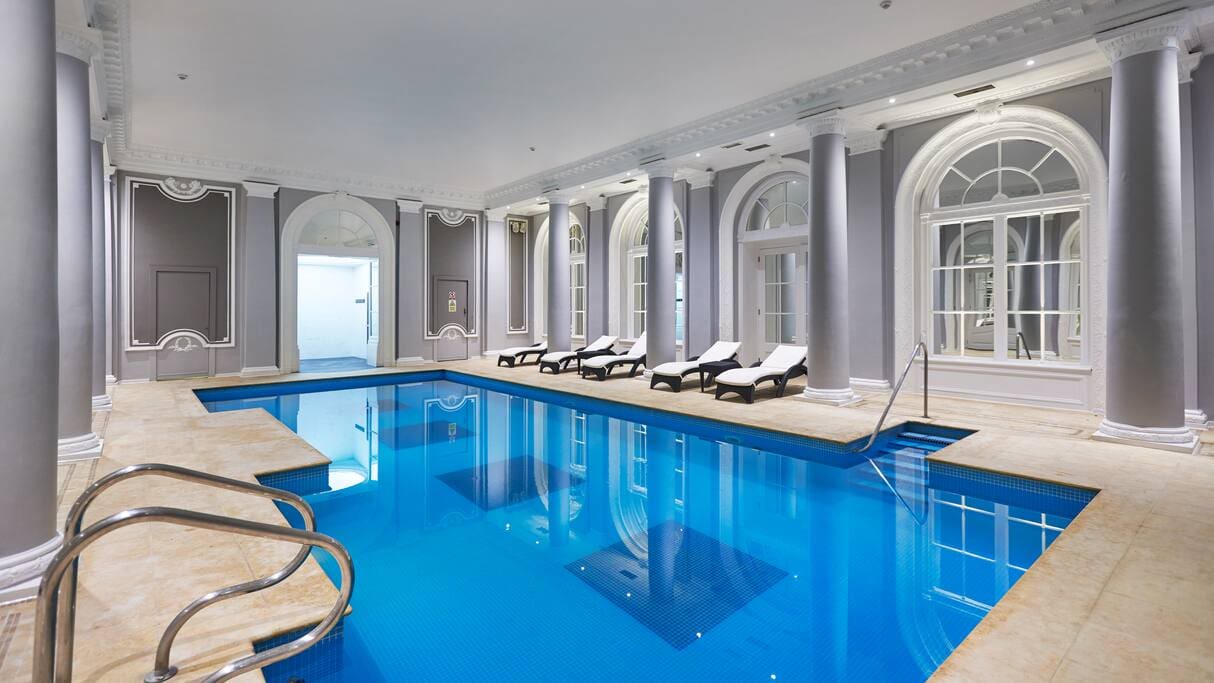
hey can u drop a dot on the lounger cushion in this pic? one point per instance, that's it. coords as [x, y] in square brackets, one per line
[780, 361]
[676, 368]
[602, 343]
[557, 356]
[719, 351]
[631, 356]
[744, 377]
[516, 350]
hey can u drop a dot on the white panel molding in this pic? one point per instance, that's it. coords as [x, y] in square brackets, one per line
[452, 218]
[923, 173]
[288, 275]
[1016, 35]
[185, 191]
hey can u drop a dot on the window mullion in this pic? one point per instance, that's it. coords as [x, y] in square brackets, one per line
[1000, 259]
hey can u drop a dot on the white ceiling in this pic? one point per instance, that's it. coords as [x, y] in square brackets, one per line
[452, 94]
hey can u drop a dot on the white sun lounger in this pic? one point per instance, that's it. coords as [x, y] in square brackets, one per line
[673, 373]
[559, 360]
[518, 354]
[784, 363]
[601, 366]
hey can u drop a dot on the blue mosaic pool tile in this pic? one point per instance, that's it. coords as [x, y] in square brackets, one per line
[319, 661]
[1043, 496]
[708, 581]
[469, 482]
[303, 481]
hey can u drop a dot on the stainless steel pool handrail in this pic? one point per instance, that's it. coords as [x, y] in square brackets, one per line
[920, 346]
[46, 627]
[75, 518]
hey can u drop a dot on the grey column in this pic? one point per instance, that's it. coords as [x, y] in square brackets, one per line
[1145, 335]
[100, 400]
[259, 292]
[411, 346]
[596, 269]
[560, 317]
[659, 278]
[76, 437]
[699, 286]
[826, 324]
[28, 302]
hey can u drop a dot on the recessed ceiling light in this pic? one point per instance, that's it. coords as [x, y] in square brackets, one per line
[893, 99]
[1030, 62]
[771, 134]
[507, 208]
[583, 187]
[628, 173]
[697, 154]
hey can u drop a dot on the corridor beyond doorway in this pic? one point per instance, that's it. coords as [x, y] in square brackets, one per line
[338, 312]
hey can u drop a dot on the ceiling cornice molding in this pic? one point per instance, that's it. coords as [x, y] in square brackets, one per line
[496, 215]
[99, 129]
[596, 203]
[156, 160]
[1166, 32]
[1020, 34]
[1187, 64]
[409, 205]
[697, 179]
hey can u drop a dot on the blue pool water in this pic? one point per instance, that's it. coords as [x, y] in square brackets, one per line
[508, 533]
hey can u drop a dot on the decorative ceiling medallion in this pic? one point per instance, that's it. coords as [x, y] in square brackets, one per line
[183, 189]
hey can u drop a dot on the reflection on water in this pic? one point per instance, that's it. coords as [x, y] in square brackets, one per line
[595, 547]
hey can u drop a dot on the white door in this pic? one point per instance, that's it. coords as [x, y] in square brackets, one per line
[781, 294]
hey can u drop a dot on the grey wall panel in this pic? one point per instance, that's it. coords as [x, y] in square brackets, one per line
[258, 259]
[497, 295]
[701, 267]
[1203, 172]
[596, 274]
[410, 277]
[867, 268]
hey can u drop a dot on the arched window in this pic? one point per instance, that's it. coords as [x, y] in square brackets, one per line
[1005, 254]
[577, 279]
[636, 274]
[337, 228]
[784, 204]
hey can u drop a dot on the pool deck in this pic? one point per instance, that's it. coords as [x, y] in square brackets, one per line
[1125, 593]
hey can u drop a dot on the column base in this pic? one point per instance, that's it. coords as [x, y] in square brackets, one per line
[1176, 439]
[261, 371]
[20, 574]
[84, 447]
[110, 379]
[102, 403]
[831, 397]
[1196, 419]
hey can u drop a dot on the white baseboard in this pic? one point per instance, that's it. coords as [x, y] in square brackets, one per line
[869, 384]
[142, 380]
[260, 371]
[21, 573]
[110, 379]
[226, 374]
[102, 403]
[411, 360]
[83, 447]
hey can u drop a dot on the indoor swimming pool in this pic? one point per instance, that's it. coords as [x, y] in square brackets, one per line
[502, 532]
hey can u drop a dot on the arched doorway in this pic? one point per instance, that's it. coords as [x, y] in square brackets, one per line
[763, 242]
[999, 258]
[577, 279]
[338, 226]
[627, 270]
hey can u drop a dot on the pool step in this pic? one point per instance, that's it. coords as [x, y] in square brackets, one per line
[900, 458]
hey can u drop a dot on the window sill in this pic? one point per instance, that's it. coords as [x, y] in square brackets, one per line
[1028, 365]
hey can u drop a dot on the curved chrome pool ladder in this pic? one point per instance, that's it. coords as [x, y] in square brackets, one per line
[55, 620]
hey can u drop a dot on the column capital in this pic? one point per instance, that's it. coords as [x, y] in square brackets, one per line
[863, 142]
[557, 197]
[697, 179]
[99, 130]
[828, 123]
[659, 169]
[596, 203]
[1160, 33]
[82, 43]
[256, 188]
[1188, 63]
[496, 215]
[409, 206]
